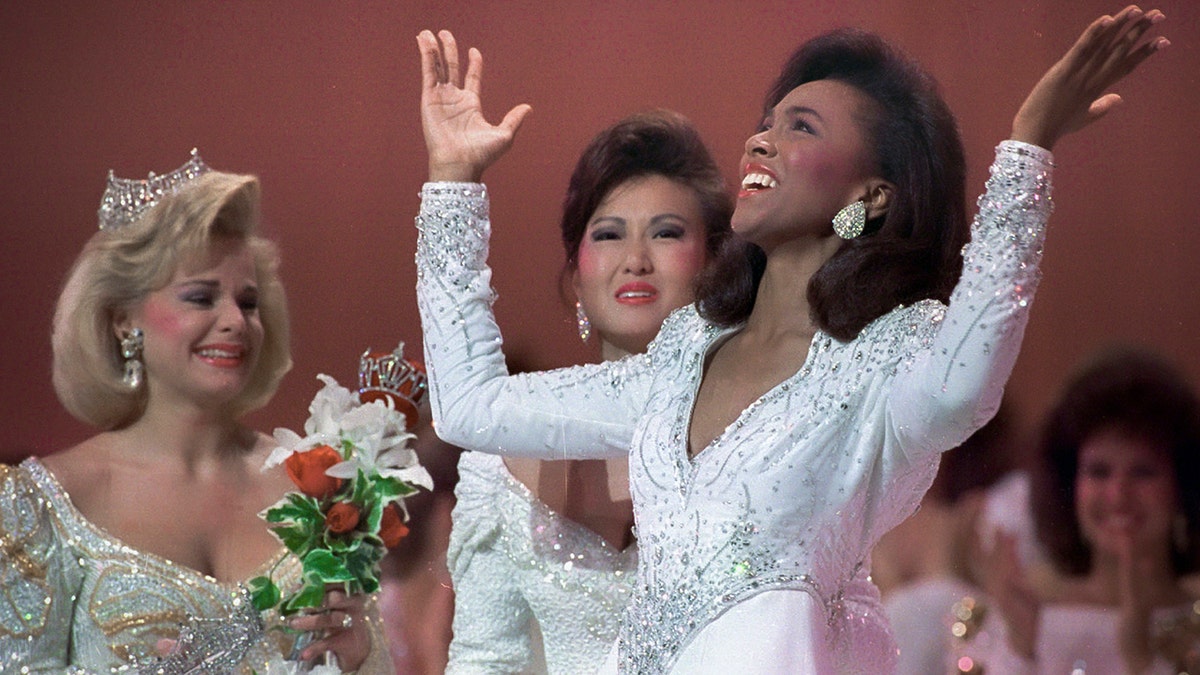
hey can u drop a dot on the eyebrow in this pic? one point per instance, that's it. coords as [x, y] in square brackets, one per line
[653, 221]
[803, 110]
[212, 284]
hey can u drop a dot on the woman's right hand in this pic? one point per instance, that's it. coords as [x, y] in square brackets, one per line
[460, 142]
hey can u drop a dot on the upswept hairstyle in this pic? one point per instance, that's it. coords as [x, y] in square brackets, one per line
[119, 267]
[658, 142]
[912, 252]
[1140, 395]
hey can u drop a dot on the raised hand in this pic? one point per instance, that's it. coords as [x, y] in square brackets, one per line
[460, 142]
[1071, 94]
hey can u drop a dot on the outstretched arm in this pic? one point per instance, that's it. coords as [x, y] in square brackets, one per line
[1071, 95]
[958, 387]
[460, 142]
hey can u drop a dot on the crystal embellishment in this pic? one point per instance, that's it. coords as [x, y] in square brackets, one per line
[126, 199]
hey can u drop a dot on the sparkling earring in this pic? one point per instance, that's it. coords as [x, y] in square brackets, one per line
[131, 349]
[581, 320]
[850, 221]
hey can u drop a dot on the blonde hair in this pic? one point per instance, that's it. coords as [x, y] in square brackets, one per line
[119, 267]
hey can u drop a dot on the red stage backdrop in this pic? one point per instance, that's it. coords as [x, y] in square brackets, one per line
[320, 100]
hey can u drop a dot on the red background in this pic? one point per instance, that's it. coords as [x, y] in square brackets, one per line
[320, 100]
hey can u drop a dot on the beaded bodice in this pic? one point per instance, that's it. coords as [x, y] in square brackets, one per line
[555, 572]
[795, 493]
[75, 599]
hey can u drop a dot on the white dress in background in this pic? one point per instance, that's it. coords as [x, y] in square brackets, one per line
[754, 554]
[534, 592]
[1072, 639]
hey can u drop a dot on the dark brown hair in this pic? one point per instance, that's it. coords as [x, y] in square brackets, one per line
[659, 142]
[1135, 393]
[912, 252]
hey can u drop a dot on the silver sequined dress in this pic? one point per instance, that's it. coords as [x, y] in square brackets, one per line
[533, 591]
[779, 514]
[73, 599]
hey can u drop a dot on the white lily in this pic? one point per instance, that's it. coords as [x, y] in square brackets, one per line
[323, 427]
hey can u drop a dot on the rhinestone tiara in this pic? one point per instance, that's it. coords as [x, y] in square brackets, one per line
[393, 376]
[126, 199]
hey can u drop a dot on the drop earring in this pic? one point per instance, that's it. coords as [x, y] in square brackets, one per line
[131, 350]
[582, 322]
[851, 220]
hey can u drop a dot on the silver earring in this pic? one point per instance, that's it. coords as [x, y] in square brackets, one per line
[850, 221]
[582, 322]
[131, 350]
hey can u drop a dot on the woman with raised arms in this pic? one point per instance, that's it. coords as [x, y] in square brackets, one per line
[793, 415]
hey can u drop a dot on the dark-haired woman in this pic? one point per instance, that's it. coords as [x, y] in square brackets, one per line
[1119, 520]
[774, 438]
[541, 552]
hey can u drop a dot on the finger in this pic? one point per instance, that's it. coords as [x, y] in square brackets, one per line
[427, 45]
[474, 78]
[450, 52]
[332, 620]
[512, 121]
[1102, 106]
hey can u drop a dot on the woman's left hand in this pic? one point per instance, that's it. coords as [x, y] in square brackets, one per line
[1071, 95]
[343, 630]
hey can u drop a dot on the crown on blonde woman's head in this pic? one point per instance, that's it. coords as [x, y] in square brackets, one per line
[126, 199]
[390, 375]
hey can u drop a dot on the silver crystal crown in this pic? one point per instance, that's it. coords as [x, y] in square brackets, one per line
[126, 199]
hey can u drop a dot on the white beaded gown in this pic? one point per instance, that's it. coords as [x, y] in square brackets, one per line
[75, 600]
[754, 553]
[534, 592]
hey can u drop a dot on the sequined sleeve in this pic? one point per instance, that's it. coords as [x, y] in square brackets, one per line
[39, 576]
[491, 616]
[584, 411]
[956, 386]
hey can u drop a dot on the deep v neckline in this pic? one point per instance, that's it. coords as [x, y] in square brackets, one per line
[62, 499]
[689, 409]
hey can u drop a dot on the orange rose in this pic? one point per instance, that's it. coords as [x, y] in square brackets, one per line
[307, 471]
[341, 517]
[391, 527]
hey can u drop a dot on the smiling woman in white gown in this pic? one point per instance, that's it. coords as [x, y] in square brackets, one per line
[774, 434]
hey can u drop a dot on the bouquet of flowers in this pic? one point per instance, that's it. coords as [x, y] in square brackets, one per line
[353, 468]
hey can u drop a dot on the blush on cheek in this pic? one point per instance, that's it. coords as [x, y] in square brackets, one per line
[159, 320]
[587, 260]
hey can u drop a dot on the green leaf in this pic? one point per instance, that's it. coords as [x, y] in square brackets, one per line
[309, 595]
[389, 488]
[328, 567]
[363, 563]
[296, 506]
[374, 516]
[263, 593]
